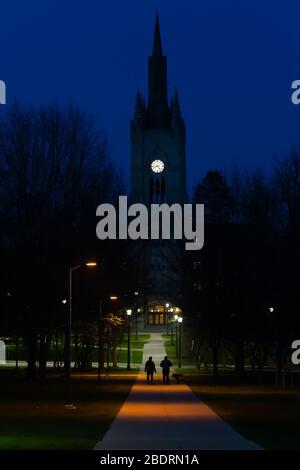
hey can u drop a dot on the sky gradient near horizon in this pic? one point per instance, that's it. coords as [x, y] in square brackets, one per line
[233, 63]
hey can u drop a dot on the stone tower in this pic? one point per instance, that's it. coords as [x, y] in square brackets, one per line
[158, 170]
[157, 138]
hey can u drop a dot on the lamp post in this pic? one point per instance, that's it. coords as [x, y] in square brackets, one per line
[128, 312]
[107, 350]
[167, 316]
[171, 325]
[136, 317]
[99, 341]
[176, 334]
[280, 367]
[180, 319]
[89, 264]
[138, 310]
[112, 298]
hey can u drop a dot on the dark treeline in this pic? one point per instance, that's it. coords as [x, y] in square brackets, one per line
[242, 292]
[54, 171]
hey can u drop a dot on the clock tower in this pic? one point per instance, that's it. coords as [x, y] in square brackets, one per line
[157, 138]
[158, 172]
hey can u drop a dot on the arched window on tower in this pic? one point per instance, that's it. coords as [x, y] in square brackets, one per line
[163, 190]
[151, 191]
[157, 190]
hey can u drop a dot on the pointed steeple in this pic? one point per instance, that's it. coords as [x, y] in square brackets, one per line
[175, 105]
[157, 49]
[158, 108]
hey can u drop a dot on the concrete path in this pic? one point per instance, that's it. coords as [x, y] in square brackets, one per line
[161, 417]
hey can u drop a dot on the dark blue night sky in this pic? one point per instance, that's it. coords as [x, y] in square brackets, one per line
[232, 61]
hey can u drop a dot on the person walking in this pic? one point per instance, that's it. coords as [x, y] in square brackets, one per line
[166, 364]
[150, 369]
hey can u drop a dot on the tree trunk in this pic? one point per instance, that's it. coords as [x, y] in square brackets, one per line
[31, 357]
[77, 352]
[240, 358]
[279, 365]
[215, 351]
[45, 342]
[198, 355]
[17, 351]
[114, 356]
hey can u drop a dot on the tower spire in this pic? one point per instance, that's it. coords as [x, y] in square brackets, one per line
[158, 108]
[175, 105]
[157, 49]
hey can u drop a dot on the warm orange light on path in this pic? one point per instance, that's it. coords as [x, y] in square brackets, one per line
[168, 417]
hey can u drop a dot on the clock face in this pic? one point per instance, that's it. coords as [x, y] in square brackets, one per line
[157, 166]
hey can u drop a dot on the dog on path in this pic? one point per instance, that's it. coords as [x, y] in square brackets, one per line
[178, 378]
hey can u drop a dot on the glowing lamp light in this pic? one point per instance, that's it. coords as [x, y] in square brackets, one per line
[180, 320]
[129, 311]
[91, 264]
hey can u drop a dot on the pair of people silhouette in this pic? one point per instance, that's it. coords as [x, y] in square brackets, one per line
[150, 369]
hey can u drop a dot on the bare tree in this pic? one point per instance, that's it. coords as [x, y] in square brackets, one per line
[54, 171]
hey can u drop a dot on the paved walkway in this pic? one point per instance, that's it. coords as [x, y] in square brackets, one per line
[161, 417]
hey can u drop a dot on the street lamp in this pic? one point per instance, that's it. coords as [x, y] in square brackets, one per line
[88, 264]
[172, 332]
[167, 316]
[180, 319]
[136, 317]
[271, 309]
[128, 312]
[176, 333]
[112, 298]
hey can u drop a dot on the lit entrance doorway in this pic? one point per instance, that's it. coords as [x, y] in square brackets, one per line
[157, 315]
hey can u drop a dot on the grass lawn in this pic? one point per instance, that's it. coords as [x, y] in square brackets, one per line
[33, 415]
[136, 344]
[136, 356]
[268, 416]
[171, 353]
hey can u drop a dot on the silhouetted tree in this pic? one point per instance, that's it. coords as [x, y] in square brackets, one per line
[214, 192]
[232, 281]
[54, 171]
